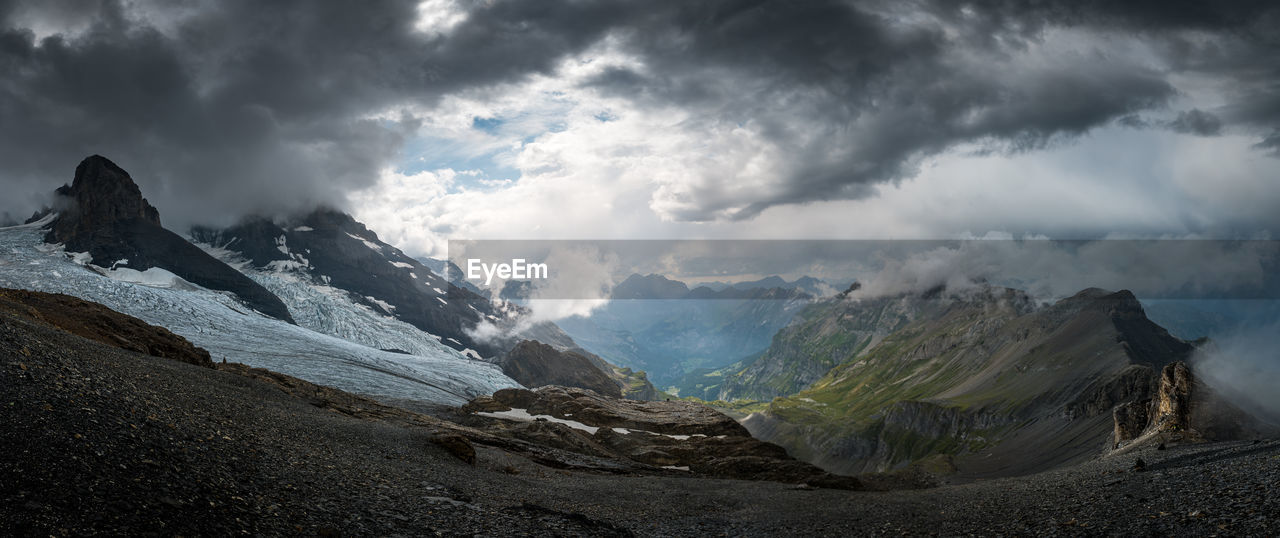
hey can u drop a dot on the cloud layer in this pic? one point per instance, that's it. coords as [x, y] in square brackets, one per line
[632, 113]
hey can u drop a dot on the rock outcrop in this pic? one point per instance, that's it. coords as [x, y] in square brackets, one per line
[535, 364]
[102, 212]
[684, 436]
[1180, 408]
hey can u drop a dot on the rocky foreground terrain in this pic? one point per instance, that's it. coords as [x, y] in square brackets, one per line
[102, 436]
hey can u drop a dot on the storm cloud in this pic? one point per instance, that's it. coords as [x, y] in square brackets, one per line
[222, 109]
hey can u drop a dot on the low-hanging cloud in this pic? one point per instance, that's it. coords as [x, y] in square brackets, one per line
[1244, 368]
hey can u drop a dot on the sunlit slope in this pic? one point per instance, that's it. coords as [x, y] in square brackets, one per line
[977, 381]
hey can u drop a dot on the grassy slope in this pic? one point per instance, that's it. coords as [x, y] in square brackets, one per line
[986, 368]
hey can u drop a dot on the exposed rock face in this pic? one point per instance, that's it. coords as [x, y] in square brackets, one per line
[660, 434]
[535, 364]
[101, 324]
[102, 212]
[103, 195]
[1172, 405]
[1181, 407]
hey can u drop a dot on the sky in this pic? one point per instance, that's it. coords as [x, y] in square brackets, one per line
[654, 119]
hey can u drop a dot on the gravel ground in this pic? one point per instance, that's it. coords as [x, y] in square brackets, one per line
[95, 440]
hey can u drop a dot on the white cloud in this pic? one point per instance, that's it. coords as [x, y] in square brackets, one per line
[592, 166]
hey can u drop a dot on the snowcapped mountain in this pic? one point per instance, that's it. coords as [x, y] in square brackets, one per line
[336, 255]
[219, 322]
[369, 319]
[102, 214]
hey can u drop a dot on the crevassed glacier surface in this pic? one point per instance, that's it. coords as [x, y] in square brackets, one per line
[227, 329]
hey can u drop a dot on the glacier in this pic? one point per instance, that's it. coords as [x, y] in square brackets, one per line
[429, 372]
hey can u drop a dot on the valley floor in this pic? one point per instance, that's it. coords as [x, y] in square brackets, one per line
[99, 440]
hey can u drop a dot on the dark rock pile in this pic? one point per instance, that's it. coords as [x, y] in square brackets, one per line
[684, 436]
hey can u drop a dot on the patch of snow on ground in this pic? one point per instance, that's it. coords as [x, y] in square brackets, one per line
[154, 277]
[402, 265]
[367, 243]
[285, 265]
[522, 415]
[81, 258]
[304, 229]
[385, 306]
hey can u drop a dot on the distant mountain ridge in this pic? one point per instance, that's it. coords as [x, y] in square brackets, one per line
[810, 285]
[661, 326]
[658, 287]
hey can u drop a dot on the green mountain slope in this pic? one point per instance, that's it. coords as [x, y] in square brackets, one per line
[983, 379]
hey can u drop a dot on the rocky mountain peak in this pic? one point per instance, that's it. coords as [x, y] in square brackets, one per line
[102, 213]
[101, 194]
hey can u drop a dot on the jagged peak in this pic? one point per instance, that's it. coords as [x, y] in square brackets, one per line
[102, 192]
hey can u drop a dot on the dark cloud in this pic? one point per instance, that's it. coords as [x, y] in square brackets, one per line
[858, 93]
[226, 108]
[1197, 122]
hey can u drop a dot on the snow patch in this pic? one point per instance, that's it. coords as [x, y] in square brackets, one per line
[282, 266]
[154, 277]
[304, 229]
[385, 306]
[522, 415]
[367, 243]
[80, 258]
[403, 265]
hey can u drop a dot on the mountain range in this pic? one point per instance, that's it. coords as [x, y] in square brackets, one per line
[269, 291]
[210, 346]
[661, 326]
